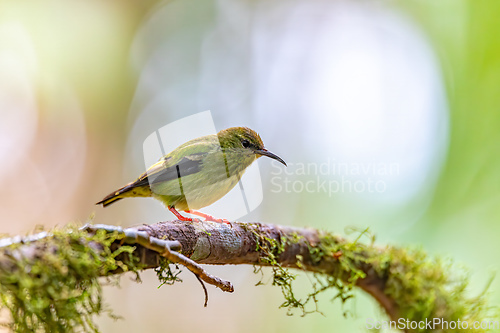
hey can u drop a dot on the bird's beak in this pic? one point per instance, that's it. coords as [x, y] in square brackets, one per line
[265, 152]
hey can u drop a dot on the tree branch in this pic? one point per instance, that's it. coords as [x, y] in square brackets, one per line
[405, 282]
[236, 244]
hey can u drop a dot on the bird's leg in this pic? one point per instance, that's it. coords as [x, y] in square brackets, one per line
[178, 215]
[207, 217]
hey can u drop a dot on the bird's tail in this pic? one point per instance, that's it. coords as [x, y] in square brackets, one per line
[109, 199]
[129, 190]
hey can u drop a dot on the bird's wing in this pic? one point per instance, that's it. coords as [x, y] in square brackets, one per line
[164, 171]
[186, 160]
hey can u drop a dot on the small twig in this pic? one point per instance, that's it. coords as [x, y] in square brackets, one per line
[165, 249]
[197, 270]
[204, 289]
[134, 236]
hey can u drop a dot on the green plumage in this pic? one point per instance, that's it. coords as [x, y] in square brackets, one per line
[199, 172]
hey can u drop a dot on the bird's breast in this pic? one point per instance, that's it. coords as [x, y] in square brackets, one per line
[197, 197]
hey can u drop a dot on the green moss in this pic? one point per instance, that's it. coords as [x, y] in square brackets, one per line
[270, 249]
[58, 290]
[432, 287]
[165, 274]
[421, 286]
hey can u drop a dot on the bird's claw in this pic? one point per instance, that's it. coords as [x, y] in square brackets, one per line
[208, 218]
[214, 219]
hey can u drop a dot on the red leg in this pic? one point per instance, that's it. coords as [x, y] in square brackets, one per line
[178, 215]
[207, 217]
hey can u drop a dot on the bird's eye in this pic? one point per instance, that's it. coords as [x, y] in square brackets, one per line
[245, 143]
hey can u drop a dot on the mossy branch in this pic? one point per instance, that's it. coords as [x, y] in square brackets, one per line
[50, 280]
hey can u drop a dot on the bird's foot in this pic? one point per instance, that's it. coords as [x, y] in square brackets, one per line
[207, 217]
[179, 216]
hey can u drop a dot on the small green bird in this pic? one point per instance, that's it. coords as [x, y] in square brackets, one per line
[197, 173]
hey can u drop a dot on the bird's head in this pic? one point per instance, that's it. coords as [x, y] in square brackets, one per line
[245, 141]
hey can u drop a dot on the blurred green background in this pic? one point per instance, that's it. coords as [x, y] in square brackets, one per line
[410, 84]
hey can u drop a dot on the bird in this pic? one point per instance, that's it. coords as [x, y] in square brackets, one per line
[197, 173]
